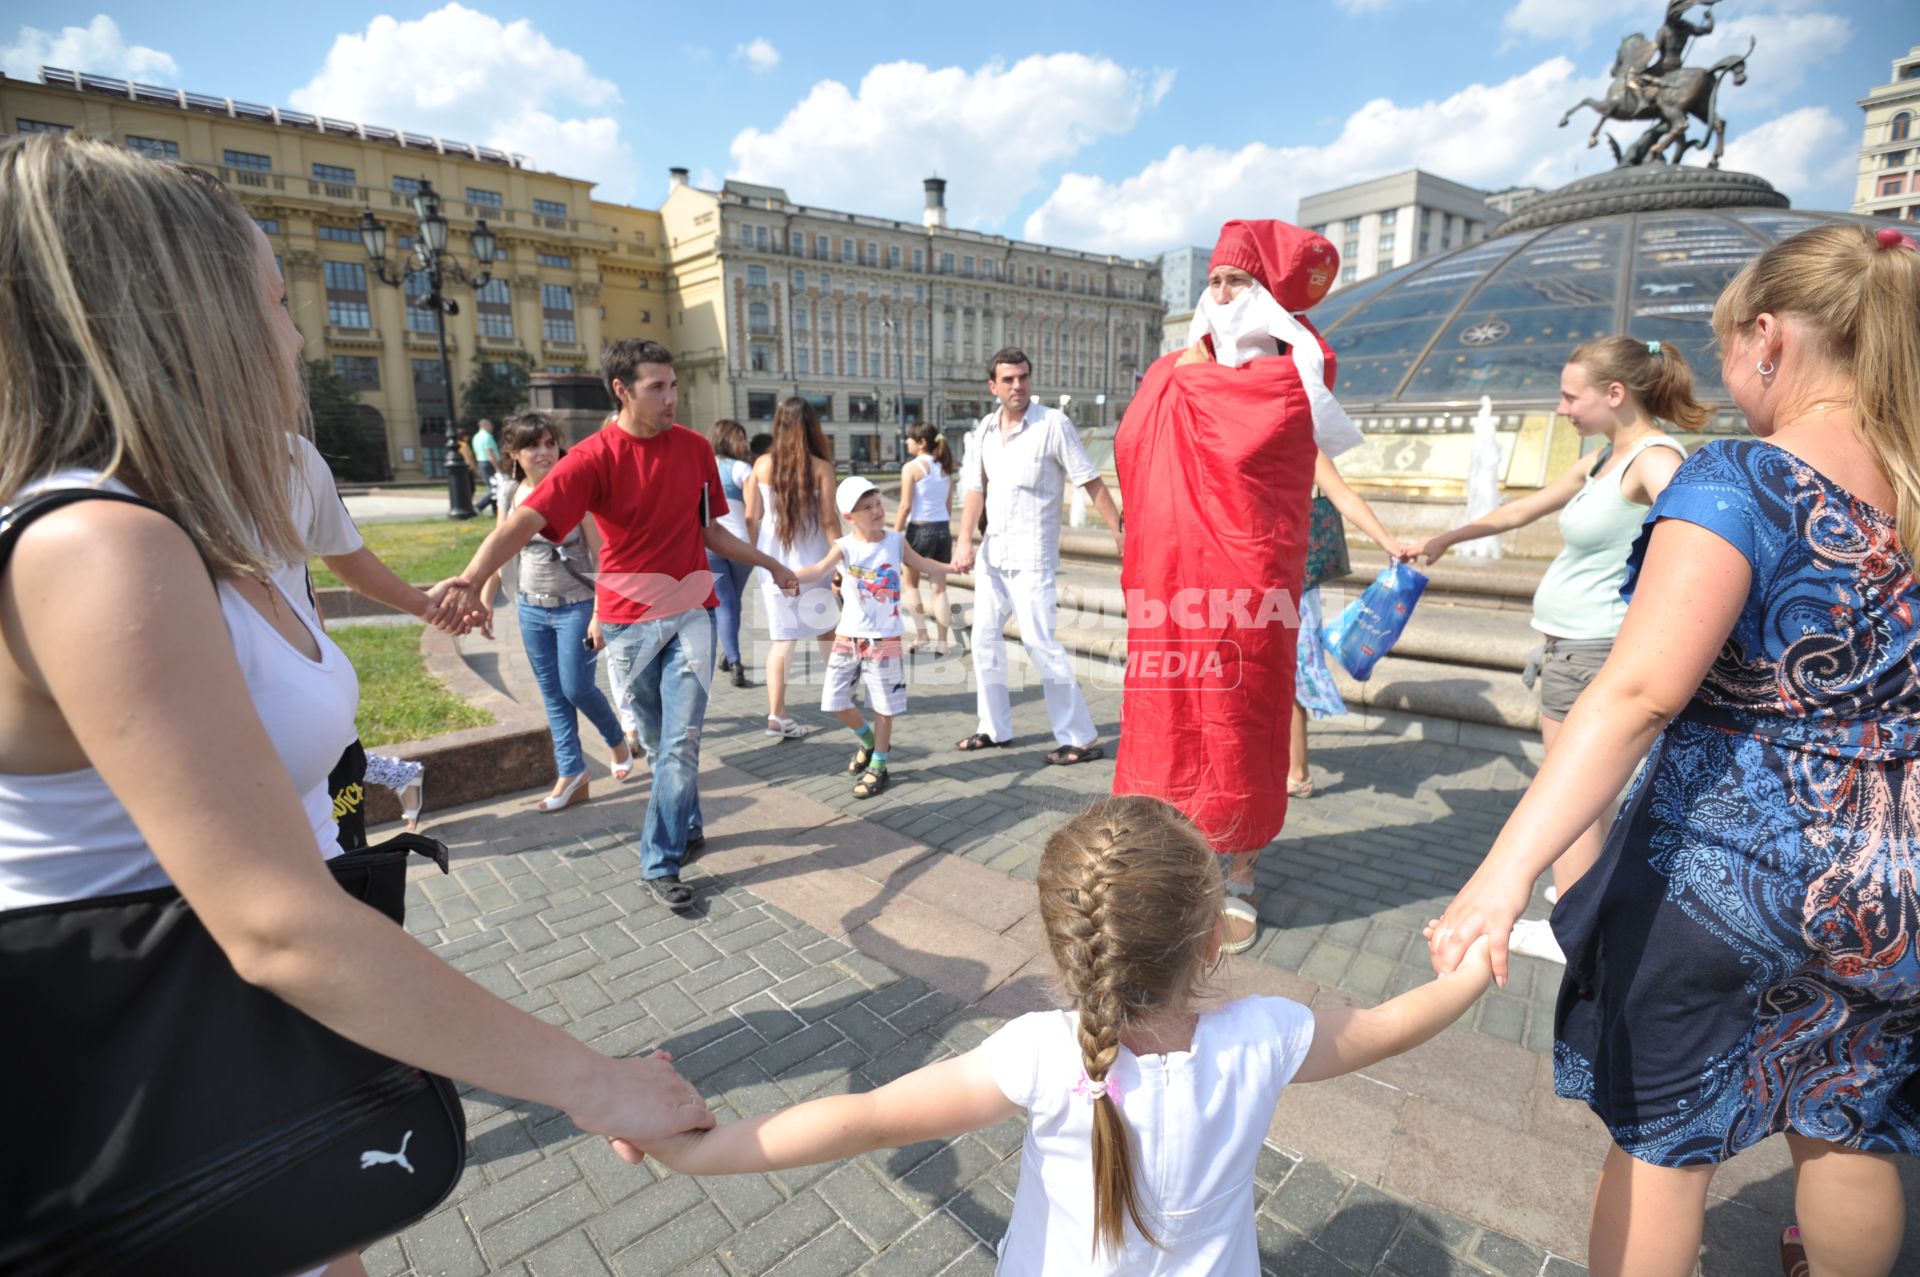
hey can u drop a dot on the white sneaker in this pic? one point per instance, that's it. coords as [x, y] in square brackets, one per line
[1534, 937]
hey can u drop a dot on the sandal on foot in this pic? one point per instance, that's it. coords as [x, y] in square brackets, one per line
[1239, 911]
[1793, 1254]
[1300, 788]
[622, 767]
[1068, 755]
[870, 784]
[671, 892]
[861, 757]
[785, 728]
[980, 740]
[410, 797]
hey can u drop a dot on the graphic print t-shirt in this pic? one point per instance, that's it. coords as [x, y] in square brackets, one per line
[870, 587]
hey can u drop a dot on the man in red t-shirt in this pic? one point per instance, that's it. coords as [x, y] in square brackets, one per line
[653, 489]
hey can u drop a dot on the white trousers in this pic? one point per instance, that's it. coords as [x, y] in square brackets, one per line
[1028, 595]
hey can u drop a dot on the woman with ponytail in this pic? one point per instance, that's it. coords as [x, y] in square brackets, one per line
[1145, 1106]
[1618, 390]
[925, 514]
[1744, 959]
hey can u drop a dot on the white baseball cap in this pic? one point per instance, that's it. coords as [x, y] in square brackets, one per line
[851, 489]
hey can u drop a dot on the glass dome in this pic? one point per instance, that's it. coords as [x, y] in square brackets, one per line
[1500, 317]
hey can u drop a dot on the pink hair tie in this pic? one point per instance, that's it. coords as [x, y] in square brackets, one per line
[1089, 1090]
[1891, 238]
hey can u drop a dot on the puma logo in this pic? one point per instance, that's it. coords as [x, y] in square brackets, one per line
[374, 1157]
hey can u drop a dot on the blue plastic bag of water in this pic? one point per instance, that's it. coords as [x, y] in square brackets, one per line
[1371, 624]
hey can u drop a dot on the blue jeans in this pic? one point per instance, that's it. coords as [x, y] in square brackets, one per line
[730, 587]
[666, 667]
[564, 671]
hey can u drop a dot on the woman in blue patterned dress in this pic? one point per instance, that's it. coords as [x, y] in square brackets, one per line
[1745, 957]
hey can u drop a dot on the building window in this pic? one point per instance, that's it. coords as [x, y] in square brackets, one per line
[268, 225]
[1350, 249]
[494, 305]
[756, 276]
[560, 260]
[801, 319]
[803, 361]
[339, 234]
[799, 281]
[1349, 273]
[846, 250]
[154, 148]
[1353, 225]
[746, 237]
[760, 405]
[486, 199]
[919, 367]
[1902, 126]
[334, 176]
[760, 358]
[1386, 243]
[820, 247]
[822, 406]
[863, 408]
[1911, 71]
[22, 125]
[893, 256]
[347, 294]
[406, 185]
[1046, 277]
[759, 321]
[250, 167]
[1389, 217]
[1894, 159]
[420, 319]
[826, 282]
[966, 265]
[798, 244]
[873, 253]
[549, 208]
[919, 259]
[946, 263]
[362, 371]
[556, 310]
[1896, 185]
[919, 294]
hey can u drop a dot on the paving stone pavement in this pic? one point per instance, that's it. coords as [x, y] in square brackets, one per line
[1395, 826]
[761, 1010]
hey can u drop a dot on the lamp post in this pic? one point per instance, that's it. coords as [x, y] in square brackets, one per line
[897, 337]
[431, 259]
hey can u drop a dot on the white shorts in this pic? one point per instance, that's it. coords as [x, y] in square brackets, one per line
[878, 664]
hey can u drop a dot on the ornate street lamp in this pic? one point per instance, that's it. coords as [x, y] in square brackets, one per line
[431, 259]
[897, 330]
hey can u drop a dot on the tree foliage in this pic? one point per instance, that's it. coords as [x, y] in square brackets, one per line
[348, 433]
[498, 387]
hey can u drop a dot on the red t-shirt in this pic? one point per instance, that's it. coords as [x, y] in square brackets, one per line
[648, 497]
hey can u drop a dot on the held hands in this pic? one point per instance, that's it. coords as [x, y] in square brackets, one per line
[458, 608]
[1485, 909]
[962, 558]
[784, 580]
[642, 1101]
[1430, 549]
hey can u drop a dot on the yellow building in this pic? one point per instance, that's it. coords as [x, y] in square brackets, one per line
[567, 271]
[1890, 148]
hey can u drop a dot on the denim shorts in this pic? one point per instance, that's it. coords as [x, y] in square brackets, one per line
[931, 541]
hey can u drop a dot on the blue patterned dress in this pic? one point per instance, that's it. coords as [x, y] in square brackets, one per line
[1742, 960]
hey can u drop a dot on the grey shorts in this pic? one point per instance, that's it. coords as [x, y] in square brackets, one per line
[1562, 668]
[880, 665]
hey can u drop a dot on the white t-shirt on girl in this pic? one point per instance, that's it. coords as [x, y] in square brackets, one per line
[1198, 1118]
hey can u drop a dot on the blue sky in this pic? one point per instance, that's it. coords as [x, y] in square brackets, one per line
[1095, 125]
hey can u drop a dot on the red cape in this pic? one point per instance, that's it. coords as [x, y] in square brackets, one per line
[1216, 470]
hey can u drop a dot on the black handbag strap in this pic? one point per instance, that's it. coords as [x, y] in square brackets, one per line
[15, 518]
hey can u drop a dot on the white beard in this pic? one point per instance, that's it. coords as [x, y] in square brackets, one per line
[1253, 325]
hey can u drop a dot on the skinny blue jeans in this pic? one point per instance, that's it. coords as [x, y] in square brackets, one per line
[564, 671]
[730, 587]
[667, 667]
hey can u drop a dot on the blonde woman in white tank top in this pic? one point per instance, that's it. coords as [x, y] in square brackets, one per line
[925, 517]
[178, 710]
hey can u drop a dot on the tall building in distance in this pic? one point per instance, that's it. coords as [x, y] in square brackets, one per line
[1889, 183]
[563, 264]
[1183, 277]
[1390, 221]
[881, 322]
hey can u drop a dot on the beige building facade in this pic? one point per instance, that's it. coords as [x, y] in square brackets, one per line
[567, 271]
[1391, 221]
[880, 322]
[1889, 183]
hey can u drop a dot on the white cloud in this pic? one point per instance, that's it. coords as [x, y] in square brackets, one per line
[1363, 6]
[1485, 135]
[1785, 46]
[1573, 20]
[990, 131]
[97, 47]
[1808, 154]
[466, 75]
[758, 53]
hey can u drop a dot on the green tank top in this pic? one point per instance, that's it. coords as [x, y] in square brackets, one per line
[1579, 597]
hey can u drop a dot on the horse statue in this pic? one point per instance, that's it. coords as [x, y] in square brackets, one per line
[1672, 98]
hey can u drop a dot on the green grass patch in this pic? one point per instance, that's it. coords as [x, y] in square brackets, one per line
[399, 700]
[419, 550]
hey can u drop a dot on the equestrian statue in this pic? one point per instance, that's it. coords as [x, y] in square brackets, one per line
[1651, 81]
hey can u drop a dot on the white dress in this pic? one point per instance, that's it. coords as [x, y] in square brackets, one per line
[813, 612]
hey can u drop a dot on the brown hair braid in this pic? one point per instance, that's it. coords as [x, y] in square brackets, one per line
[1129, 896]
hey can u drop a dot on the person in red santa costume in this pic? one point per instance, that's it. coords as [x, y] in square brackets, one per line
[1216, 457]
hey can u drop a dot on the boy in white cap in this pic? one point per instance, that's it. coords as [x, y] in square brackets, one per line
[867, 642]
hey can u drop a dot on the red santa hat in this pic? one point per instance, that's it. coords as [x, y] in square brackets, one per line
[1292, 263]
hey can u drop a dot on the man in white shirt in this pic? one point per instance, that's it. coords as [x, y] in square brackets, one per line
[1019, 460]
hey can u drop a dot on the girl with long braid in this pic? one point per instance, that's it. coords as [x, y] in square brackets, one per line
[1145, 1107]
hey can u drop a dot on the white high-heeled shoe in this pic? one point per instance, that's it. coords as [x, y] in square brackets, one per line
[622, 770]
[575, 792]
